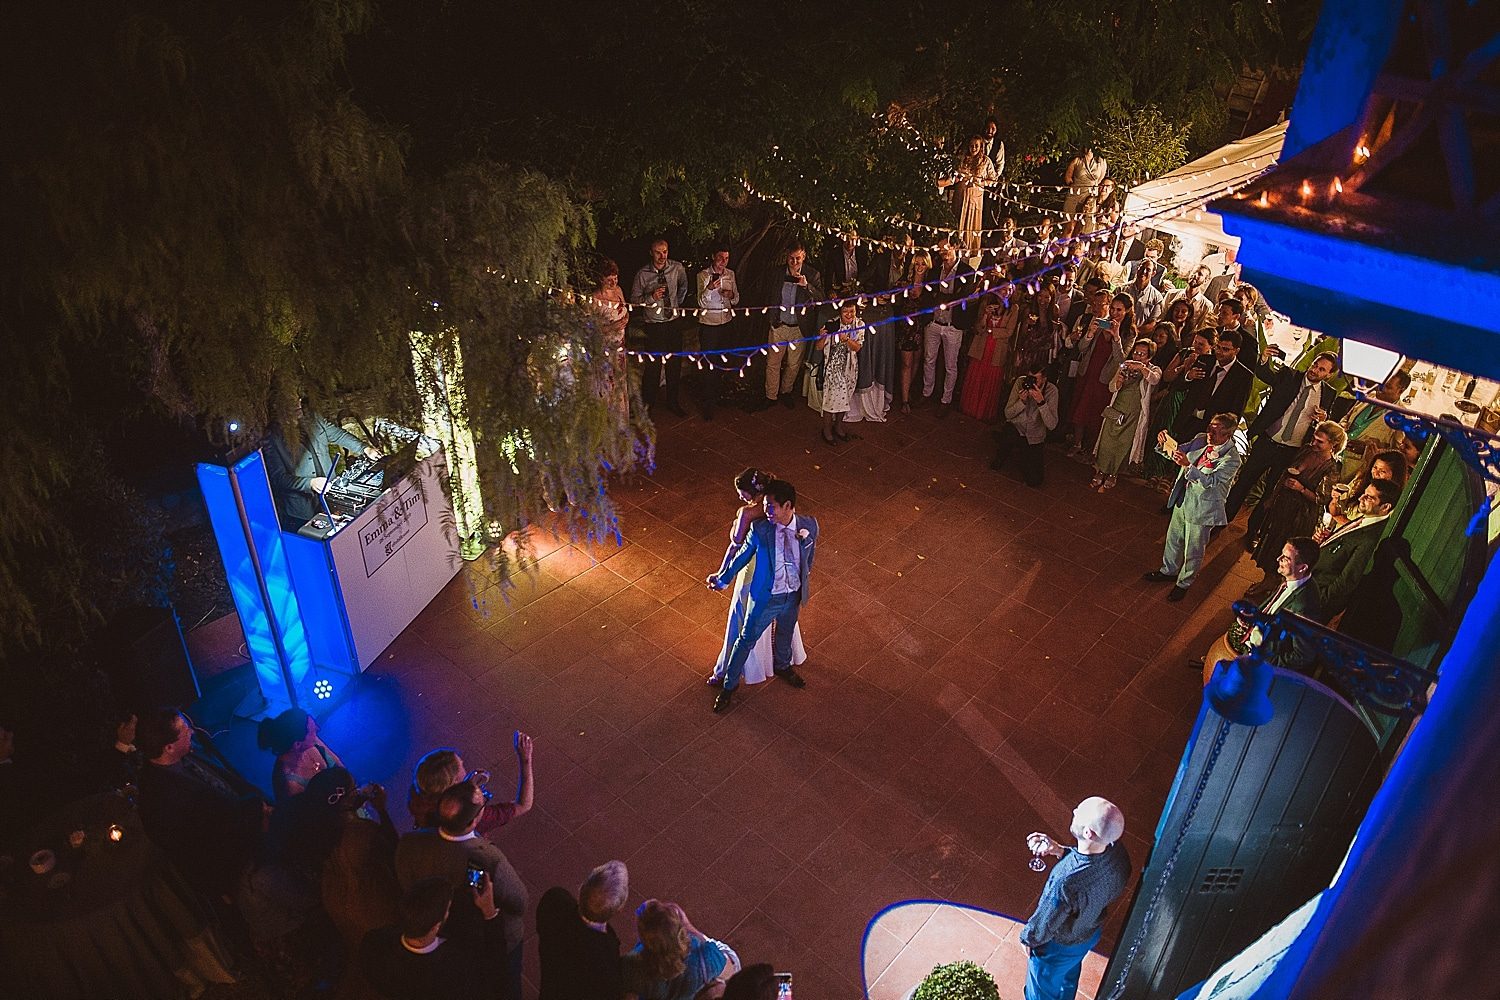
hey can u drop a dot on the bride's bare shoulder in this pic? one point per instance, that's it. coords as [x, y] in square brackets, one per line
[748, 515]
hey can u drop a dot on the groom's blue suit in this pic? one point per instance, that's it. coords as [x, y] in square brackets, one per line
[764, 606]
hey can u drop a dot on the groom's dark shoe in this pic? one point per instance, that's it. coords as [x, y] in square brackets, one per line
[791, 676]
[721, 702]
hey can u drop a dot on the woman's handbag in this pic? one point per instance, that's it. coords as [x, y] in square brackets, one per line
[1115, 416]
[815, 366]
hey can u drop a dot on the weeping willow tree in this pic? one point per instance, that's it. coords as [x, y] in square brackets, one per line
[198, 208]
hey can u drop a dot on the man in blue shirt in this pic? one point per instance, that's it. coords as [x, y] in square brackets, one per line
[1070, 915]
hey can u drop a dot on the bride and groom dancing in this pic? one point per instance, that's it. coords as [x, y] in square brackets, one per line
[781, 542]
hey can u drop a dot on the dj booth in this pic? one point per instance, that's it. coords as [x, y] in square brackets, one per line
[320, 603]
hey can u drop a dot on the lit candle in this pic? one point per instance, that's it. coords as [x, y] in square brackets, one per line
[116, 833]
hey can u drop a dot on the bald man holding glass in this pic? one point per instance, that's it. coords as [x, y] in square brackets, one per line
[1069, 917]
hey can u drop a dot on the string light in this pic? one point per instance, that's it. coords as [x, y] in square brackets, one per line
[1256, 165]
[1030, 282]
[902, 292]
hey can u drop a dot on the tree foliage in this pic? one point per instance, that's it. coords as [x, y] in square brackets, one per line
[1140, 144]
[207, 211]
[228, 208]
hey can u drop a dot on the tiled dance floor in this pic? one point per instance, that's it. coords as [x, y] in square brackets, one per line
[981, 657]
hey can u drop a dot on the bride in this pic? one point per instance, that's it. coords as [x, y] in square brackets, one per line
[751, 487]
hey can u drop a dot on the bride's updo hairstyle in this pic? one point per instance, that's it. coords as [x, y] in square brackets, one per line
[753, 481]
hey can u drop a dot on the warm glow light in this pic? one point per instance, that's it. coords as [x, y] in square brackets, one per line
[116, 834]
[1306, 190]
[1368, 362]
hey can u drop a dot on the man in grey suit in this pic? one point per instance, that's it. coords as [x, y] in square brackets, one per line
[1208, 463]
[782, 545]
[455, 852]
[1346, 553]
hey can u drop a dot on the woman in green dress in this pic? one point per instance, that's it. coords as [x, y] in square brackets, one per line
[1122, 435]
[1169, 396]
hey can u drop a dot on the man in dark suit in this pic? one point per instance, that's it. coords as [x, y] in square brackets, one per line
[205, 817]
[580, 951]
[452, 851]
[1220, 386]
[951, 318]
[793, 322]
[1346, 553]
[782, 546]
[846, 265]
[412, 961]
[298, 477]
[1296, 594]
[1298, 402]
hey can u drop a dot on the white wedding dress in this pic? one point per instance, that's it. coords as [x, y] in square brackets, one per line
[760, 663]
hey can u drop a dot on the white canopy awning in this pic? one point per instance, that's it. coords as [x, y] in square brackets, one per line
[1174, 202]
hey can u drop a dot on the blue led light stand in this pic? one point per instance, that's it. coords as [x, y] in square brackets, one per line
[243, 515]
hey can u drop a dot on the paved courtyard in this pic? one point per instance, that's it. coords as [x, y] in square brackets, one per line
[981, 657]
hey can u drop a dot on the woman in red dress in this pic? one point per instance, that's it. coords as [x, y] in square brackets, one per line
[1100, 353]
[988, 353]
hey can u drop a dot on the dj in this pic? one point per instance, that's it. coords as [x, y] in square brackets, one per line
[297, 478]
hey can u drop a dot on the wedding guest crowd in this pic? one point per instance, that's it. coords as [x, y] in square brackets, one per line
[319, 893]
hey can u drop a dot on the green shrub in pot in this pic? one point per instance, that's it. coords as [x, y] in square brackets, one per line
[957, 981]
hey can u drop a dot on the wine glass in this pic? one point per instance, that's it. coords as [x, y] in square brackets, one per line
[1039, 845]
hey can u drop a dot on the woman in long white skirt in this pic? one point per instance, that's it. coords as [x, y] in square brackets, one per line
[751, 487]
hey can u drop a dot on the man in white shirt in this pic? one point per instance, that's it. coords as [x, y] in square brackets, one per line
[1224, 273]
[661, 287]
[945, 331]
[1148, 298]
[1199, 308]
[1297, 403]
[1011, 247]
[718, 294]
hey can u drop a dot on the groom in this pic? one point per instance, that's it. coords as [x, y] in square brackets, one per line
[782, 546]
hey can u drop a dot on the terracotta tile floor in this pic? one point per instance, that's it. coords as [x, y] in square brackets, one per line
[902, 941]
[981, 656]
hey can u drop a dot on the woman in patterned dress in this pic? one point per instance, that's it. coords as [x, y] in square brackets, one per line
[841, 341]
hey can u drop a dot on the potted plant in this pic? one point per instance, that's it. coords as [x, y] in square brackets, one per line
[957, 981]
